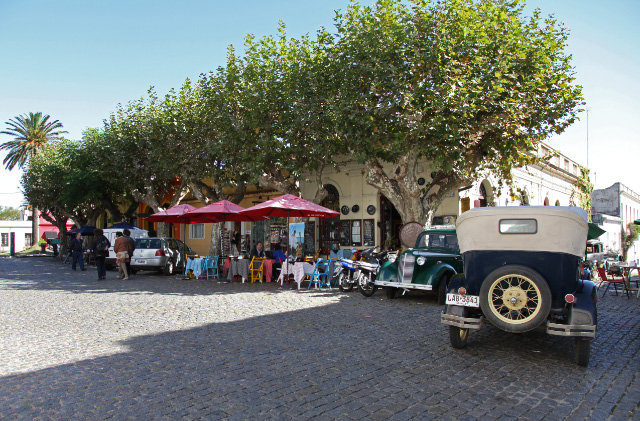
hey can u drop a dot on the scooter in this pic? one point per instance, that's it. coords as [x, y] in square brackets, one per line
[368, 270]
[346, 273]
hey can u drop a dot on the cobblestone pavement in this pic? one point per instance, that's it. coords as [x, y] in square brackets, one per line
[162, 347]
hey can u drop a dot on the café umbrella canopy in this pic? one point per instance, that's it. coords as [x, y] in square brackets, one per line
[86, 230]
[288, 206]
[123, 226]
[223, 211]
[637, 222]
[177, 214]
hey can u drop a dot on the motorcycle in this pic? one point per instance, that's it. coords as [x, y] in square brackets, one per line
[368, 269]
[346, 269]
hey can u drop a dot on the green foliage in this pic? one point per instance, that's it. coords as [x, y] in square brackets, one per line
[31, 133]
[581, 193]
[629, 236]
[471, 86]
[8, 213]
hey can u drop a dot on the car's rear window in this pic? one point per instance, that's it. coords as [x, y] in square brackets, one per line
[518, 226]
[143, 243]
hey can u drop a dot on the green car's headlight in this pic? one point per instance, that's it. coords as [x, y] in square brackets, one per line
[420, 260]
[392, 258]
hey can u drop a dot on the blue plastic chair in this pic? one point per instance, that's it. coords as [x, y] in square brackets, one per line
[211, 266]
[331, 278]
[320, 274]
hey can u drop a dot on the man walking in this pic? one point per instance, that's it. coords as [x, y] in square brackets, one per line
[76, 250]
[132, 247]
[101, 246]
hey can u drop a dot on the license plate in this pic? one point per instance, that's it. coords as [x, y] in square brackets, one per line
[463, 300]
[141, 262]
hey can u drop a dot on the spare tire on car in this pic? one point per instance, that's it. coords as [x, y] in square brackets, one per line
[515, 298]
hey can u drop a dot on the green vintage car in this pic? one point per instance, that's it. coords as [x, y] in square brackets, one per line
[427, 267]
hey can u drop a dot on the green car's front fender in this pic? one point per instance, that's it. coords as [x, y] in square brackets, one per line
[388, 272]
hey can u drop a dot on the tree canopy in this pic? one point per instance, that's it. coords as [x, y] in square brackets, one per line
[8, 213]
[468, 86]
[31, 133]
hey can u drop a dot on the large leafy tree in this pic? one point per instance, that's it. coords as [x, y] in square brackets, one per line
[43, 184]
[31, 134]
[8, 213]
[470, 86]
[270, 109]
[153, 146]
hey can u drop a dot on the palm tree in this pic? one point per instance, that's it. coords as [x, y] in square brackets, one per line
[31, 133]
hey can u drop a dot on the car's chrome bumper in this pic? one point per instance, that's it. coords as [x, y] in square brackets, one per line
[588, 331]
[149, 263]
[403, 285]
[461, 322]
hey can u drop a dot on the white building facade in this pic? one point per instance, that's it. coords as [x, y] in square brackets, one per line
[368, 218]
[22, 232]
[620, 202]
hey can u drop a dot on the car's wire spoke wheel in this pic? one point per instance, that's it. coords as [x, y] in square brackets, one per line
[515, 298]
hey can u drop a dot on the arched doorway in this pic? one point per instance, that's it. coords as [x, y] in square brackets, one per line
[329, 228]
[485, 195]
[390, 224]
[546, 201]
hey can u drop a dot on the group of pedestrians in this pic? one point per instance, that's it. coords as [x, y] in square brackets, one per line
[123, 247]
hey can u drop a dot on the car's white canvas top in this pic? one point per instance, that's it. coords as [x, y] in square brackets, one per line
[559, 229]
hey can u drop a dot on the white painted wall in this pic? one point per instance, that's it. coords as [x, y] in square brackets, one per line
[20, 228]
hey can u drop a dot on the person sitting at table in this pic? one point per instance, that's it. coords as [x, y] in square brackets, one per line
[257, 251]
[278, 254]
[279, 257]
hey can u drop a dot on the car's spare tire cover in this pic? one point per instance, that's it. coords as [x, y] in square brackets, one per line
[515, 298]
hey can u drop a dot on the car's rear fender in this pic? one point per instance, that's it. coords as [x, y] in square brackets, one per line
[584, 308]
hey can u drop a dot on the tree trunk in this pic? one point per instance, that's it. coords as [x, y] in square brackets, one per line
[401, 187]
[163, 229]
[215, 247]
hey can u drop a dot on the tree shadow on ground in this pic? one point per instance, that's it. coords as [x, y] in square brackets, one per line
[361, 358]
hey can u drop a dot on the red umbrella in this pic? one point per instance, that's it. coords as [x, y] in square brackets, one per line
[222, 211]
[177, 214]
[287, 206]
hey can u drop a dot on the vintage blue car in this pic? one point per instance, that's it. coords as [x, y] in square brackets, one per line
[521, 270]
[426, 267]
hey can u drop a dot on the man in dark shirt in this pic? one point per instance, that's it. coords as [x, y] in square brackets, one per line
[132, 247]
[78, 252]
[257, 251]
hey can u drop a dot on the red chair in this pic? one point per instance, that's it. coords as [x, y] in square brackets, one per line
[612, 280]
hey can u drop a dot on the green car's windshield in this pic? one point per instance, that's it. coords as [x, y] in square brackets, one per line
[438, 240]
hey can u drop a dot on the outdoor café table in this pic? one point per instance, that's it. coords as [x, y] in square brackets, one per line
[626, 272]
[194, 264]
[238, 267]
[298, 270]
[267, 269]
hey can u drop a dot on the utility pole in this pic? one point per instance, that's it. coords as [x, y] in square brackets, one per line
[587, 138]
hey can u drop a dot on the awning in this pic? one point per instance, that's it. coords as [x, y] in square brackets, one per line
[594, 231]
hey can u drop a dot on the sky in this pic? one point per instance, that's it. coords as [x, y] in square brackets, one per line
[76, 60]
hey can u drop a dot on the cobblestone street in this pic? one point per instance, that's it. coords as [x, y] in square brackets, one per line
[161, 347]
